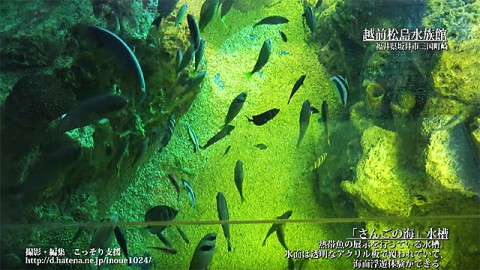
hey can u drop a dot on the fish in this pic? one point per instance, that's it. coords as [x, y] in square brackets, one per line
[157, 21]
[264, 117]
[238, 176]
[314, 110]
[199, 53]
[318, 4]
[122, 53]
[226, 7]
[291, 264]
[164, 249]
[103, 236]
[227, 150]
[194, 82]
[208, 10]
[168, 133]
[191, 194]
[297, 85]
[318, 162]
[222, 210]
[261, 146]
[194, 31]
[141, 149]
[276, 227]
[183, 235]
[193, 137]
[174, 182]
[180, 14]
[272, 20]
[311, 19]
[157, 214]
[262, 57]
[341, 85]
[122, 241]
[220, 135]
[179, 59]
[304, 120]
[187, 58]
[325, 120]
[90, 111]
[202, 257]
[235, 107]
[283, 36]
[165, 7]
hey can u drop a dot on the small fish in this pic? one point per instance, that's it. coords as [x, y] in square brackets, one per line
[160, 213]
[227, 150]
[297, 85]
[141, 149]
[222, 210]
[319, 3]
[164, 249]
[238, 176]
[276, 227]
[325, 120]
[174, 182]
[220, 135]
[103, 236]
[284, 37]
[272, 20]
[261, 146]
[194, 31]
[262, 57]
[90, 111]
[311, 19]
[179, 59]
[318, 162]
[263, 118]
[202, 257]
[191, 194]
[165, 7]
[157, 21]
[122, 241]
[235, 107]
[180, 14]
[199, 53]
[168, 134]
[209, 8]
[304, 120]
[183, 235]
[187, 58]
[341, 85]
[226, 6]
[314, 110]
[194, 82]
[193, 137]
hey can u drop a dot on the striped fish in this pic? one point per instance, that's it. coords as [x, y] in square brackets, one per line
[318, 162]
[190, 192]
[193, 138]
[341, 84]
[168, 133]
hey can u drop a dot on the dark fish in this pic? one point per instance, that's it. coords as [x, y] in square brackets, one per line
[284, 37]
[199, 53]
[103, 236]
[165, 7]
[193, 137]
[122, 240]
[209, 8]
[227, 150]
[191, 194]
[314, 110]
[226, 6]
[90, 111]
[187, 58]
[124, 55]
[179, 59]
[183, 235]
[141, 149]
[278, 227]
[157, 21]
[174, 182]
[222, 210]
[194, 82]
[168, 133]
[325, 120]
[160, 213]
[261, 146]
[202, 257]
[180, 14]
[311, 19]
[272, 20]
[304, 120]
[281, 237]
[235, 107]
[164, 249]
[263, 118]
[194, 31]
[238, 176]
[220, 135]
[262, 57]
[319, 3]
[297, 85]
[341, 84]
[291, 264]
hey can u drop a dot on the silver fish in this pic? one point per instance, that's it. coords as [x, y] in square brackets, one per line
[180, 14]
[202, 257]
[189, 189]
[304, 120]
[222, 210]
[193, 137]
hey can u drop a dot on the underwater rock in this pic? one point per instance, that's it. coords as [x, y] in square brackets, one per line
[476, 134]
[374, 99]
[359, 117]
[402, 106]
[379, 184]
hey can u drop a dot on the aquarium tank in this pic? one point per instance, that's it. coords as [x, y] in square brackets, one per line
[240, 134]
